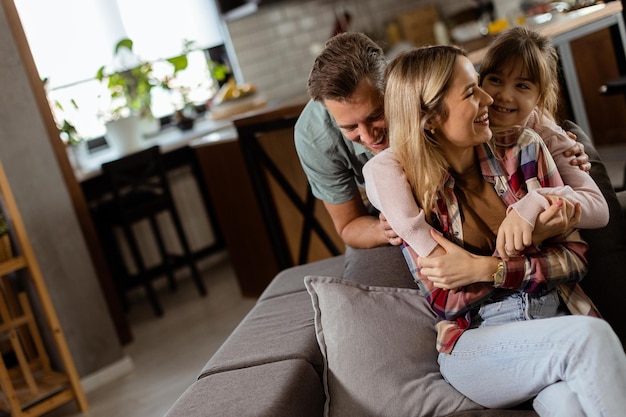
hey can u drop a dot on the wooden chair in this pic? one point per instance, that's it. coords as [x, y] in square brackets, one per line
[140, 191]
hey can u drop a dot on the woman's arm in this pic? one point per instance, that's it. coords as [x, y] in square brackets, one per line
[454, 280]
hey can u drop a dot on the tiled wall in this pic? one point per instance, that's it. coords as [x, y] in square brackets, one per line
[276, 46]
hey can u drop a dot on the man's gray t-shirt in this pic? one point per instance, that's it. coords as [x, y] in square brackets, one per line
[332, 163]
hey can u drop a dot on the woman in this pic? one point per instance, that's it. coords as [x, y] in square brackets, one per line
[510, 330]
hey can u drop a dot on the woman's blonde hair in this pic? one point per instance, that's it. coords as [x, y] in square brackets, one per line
[531, 53]
[416, 84]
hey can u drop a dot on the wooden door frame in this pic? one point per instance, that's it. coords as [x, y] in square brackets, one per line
[81, 209]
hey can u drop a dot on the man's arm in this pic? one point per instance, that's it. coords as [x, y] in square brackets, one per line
[355, 225]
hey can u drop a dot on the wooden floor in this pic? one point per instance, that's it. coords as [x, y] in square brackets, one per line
[169, 352]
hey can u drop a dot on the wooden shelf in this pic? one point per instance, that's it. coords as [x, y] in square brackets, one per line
[29, 386]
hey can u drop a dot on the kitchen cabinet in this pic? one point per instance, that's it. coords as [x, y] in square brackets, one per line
[268, 217]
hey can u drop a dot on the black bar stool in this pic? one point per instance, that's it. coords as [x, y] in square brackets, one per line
[140, 190]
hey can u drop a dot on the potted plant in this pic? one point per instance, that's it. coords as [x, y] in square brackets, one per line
[130, 88]
[131, 85]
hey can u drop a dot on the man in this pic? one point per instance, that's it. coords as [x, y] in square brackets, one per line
[342, 127]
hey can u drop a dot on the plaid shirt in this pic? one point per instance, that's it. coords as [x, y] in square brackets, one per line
[519, 163]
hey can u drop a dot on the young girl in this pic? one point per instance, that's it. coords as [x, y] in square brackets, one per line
[505, 335]
[520, 72]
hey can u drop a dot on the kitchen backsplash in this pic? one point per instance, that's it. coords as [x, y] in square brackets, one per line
[276, 46]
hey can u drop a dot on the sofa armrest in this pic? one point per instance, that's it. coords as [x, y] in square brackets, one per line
[290, 388]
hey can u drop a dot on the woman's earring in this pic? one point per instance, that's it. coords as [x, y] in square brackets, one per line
[432, 131]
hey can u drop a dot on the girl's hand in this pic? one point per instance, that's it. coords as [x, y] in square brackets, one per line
[514, 234]
[390, 234]
[577, 151]
[451, 267]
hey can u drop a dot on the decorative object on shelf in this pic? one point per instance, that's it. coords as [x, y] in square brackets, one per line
[31, 384]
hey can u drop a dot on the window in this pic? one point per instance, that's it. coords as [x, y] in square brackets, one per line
[71, 39]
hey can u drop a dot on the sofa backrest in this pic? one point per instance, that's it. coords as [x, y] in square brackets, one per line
[605, 282]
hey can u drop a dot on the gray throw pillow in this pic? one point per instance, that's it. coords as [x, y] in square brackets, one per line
[378, 345]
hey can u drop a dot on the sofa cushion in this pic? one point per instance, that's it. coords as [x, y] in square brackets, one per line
[605, 282]
[378, 345]
[288, 388]
[276, 329]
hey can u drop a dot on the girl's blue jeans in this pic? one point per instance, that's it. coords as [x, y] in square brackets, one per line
[520, 348]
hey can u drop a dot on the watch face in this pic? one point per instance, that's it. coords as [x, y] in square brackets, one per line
[498, 276]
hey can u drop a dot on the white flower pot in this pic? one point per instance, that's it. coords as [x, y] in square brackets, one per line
[124, 134]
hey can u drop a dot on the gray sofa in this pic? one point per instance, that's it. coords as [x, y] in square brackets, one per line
[272, 365]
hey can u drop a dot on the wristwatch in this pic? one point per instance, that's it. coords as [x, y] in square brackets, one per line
[498, 276]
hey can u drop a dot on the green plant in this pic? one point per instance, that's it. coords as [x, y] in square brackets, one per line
[131, 87]
[68, 132]
[219, 71]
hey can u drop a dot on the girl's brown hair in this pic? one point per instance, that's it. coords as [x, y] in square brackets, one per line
[534, 55]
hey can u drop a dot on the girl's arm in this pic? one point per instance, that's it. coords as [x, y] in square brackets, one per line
[595, 212]
[388, 190]
[527, 157]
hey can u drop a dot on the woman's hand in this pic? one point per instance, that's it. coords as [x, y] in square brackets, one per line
[515, 234]
[451, 267]
[559, 218]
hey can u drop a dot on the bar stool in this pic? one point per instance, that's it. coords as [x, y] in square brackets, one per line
[140, 190]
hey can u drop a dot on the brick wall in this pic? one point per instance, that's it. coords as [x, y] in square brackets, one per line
[276, 46]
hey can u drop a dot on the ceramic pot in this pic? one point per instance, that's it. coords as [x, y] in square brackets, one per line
[124, 134]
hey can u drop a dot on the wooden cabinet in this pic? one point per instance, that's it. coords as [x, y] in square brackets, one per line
[598, 60]
[238, 215]
[31, 385]
[264, 208]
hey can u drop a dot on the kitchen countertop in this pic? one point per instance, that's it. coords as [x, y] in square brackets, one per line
[205, 131]
[563, 23]
[169, 139]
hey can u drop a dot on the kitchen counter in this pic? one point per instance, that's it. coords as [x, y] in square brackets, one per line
[171, 138]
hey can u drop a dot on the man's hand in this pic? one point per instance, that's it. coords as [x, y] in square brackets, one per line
[454, 267]
[577, 151]
[391, 235]
[559, 218]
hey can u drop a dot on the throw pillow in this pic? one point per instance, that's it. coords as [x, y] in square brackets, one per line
[378, 345]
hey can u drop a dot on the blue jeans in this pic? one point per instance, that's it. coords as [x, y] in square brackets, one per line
[571, 365]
